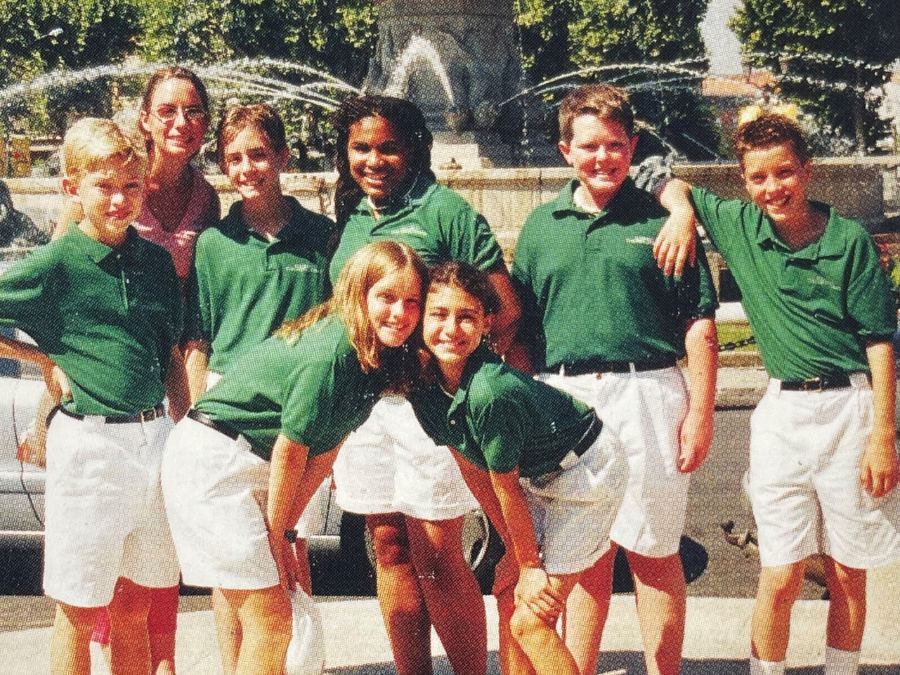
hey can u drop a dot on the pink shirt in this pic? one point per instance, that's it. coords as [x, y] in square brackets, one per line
[202, 211]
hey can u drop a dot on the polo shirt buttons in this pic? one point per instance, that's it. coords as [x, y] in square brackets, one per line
[452, 421]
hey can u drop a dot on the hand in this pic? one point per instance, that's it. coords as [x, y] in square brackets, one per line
[285, 560]
[538, 591]
[695, 439]
[676, 243]
[880, 470]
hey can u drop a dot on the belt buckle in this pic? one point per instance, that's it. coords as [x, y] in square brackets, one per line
[149, 415]
[814, 384]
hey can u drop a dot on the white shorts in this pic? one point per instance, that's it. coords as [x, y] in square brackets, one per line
[104, 510]
[573, 511]
[805, 454]
[391, 465]
[215, 490]
[645, 410]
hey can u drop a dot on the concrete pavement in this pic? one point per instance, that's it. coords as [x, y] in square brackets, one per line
[716, 642]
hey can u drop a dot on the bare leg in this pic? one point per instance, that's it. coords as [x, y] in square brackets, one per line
[586, 610]
[228, 631]
[771, 625]
[513, 660]
[539, 640]
[452, 596]
[128, 637]
[305, 573]
[265, 619]
[661, 596]
[847, 607]
[69, 645]
[400, 596]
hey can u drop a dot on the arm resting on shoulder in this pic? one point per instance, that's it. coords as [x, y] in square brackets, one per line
[880, 471]
[702, 347]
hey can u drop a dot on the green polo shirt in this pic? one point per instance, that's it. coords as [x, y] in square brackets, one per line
[501, 418]
[591, 288]
[812, 310]
[108, 317]
[312, 390]
[242, 286]
[434, 220]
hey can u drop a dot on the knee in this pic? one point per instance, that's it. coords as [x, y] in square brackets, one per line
[391, 545]
[523, 623]
[845, 581]
[779, 587]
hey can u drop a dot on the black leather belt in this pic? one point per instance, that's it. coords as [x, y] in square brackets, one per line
[602, 366]
[147, 415]
[587, 440]
[821, 383]
[207, 421]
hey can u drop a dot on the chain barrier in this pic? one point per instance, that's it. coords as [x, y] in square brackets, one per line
[731, 346]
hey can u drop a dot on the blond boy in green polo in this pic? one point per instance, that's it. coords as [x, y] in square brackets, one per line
[104, 307]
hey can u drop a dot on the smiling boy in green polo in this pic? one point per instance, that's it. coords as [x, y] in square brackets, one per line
[823, 460]
[609, 329]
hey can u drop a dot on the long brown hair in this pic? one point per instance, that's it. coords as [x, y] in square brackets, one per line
[364, 269]
[406, 119]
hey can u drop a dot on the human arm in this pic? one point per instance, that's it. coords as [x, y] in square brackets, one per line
[535, 587]
[196, 363]
[879, 471]
[506, 322]
[177, 386]
[702, 348]
[23, 351]
[675, 244]
[286, 468]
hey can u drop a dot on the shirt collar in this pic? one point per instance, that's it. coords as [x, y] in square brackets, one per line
[830, 244]
[564, 203]
[294, 229]
[411, 195]
[476, 359]
[98, 251]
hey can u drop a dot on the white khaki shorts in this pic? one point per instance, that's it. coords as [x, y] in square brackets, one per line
[215, 490]
[390, 465]
[573, 510]
[645, 410]
[805, 454]
[104, 509]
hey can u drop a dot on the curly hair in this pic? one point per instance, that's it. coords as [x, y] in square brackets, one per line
[407, 121]
[767, 130]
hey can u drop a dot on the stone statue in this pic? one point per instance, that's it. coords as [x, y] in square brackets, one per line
[456, 59]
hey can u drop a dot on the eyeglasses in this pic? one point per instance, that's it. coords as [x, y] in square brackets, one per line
[168, 113]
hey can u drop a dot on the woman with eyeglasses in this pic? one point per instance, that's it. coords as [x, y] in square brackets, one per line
[179, 204]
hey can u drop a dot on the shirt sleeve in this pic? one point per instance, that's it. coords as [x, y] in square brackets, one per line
[197, 313]
[309, 405]
[721, 218]
[23, 289]
[470, 239]
[869, 299]
[697, 297]
[500, 434]
[531, 332]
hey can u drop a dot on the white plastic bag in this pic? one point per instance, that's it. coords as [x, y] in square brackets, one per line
[306, 652]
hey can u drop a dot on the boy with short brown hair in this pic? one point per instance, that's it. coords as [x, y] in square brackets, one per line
[610, 328]
[104, 307]
[823, 460]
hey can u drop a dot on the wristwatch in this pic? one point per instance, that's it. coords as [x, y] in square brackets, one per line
[291, 536]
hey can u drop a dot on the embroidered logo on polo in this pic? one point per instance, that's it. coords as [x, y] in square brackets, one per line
[822, 281]
[643, 240]
[412, 230]
[304, 267]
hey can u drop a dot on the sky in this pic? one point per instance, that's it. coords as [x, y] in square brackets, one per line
[722, 45]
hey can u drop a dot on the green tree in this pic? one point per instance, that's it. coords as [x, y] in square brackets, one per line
[830, 57]
[37, 36]
[653, 48]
